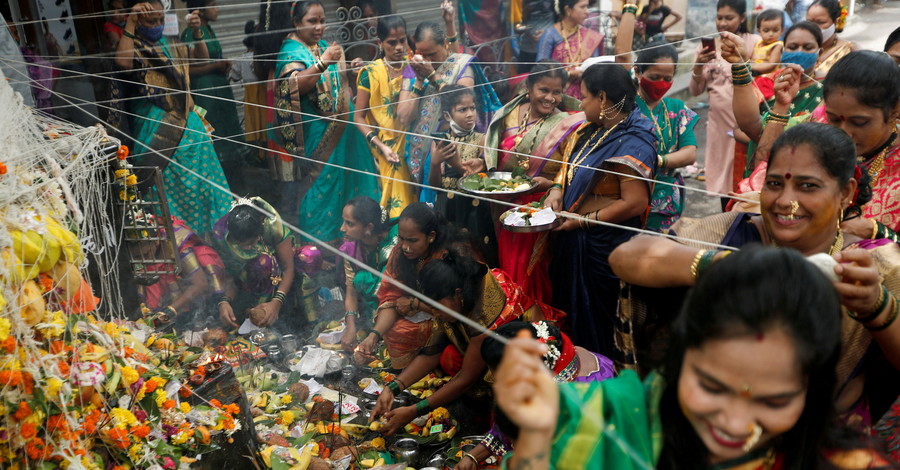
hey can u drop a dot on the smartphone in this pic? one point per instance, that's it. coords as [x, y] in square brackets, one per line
[440, 138]
[709, 44]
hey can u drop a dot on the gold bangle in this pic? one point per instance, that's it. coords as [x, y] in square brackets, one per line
[466, 454]
[696, 263]
[874, 229]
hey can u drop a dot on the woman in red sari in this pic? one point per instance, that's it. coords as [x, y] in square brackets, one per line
[486, 296]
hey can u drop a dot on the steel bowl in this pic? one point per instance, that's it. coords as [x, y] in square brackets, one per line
[529, 228]
[405, 450]
[500, 175]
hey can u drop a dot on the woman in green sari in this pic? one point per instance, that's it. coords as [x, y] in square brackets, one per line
[674, 123]
[311, 123]
[212, 89]
[163, 120]
[748, 384]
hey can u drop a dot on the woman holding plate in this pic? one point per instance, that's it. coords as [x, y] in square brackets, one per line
[606, 174]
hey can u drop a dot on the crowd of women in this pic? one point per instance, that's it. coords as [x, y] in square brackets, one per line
[728, 355]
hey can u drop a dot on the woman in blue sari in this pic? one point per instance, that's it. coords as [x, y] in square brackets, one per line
[312, 82]
[163, 120]
[616, 138]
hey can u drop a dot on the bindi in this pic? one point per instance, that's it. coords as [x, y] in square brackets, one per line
[761, 336]
[787, 176]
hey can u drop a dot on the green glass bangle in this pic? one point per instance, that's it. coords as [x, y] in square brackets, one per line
[394, 387]
[705, 260]
[423, 406]
[555, 186]
[886, 232]
[890, 319]
[883, 300]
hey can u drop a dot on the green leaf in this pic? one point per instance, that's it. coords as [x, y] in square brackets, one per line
[472, 184]
[278, 464]
[518, 171]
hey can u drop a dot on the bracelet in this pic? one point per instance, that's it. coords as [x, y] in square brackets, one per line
[583, 221]
[281, 297]
[452, 39]
[662, 161]
[377, 333]
[128, 35]
[696, 263]
[423, 405]
[709, 258]
[352, 313]
[397, 379]
[320, 65]
[874, 229]
[889, 320]
[741, 75]
[371, 136]
[630, 8]
[466, 454]
[172, 309]
[555, 186]
[777, 118]
[394, 387]
[886, 232]
[883, 299]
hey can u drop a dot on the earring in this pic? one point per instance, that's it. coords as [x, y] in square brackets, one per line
[368, 233]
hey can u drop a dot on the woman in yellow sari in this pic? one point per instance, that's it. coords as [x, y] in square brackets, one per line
[379, 117]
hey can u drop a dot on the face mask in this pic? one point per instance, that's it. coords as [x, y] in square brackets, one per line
[828, 32]
[804, 59]
[151, 34]
[458, 130]
[655, 90]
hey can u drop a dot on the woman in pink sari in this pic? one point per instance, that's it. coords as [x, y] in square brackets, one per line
[569, 42]
[527, 132]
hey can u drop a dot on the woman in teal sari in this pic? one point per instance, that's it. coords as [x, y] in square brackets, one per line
[168, 132]
[748, 384]
[312, 82]
[212, 89]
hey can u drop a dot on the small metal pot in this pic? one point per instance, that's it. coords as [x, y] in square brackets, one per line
[406, 450]
[436, 461]
[289, 344]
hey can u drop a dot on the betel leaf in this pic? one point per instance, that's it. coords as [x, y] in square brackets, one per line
[471, 182]
[518, 171]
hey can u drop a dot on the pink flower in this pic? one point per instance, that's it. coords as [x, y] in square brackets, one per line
[141, 415]
[168, 463]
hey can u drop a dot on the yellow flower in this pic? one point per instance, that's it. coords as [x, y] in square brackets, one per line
[56, 324]
[5, 325]
[111, 329]
[440, 413]
[181, 438]
[185, 407]
[286, 399]
[121, 173]
[129, 376]
[122, 418]
[54, 385]
[287, 417]
[131, 180]
[135, 451]
[378, 443]
[160, 397]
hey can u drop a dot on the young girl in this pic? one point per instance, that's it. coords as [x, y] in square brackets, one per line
[455, 157]
[767, 53]
[369, 239]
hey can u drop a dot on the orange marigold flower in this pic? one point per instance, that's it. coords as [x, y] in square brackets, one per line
[36, 449]
[23, 412]
[129, 351]
[90, 422]
[11, 378]
[9, 345]
[58, 347]
[168, 404]
[119, 437]
[28, 381]
[184, 391]
[232, 409]
[28, 430]
[63, 368]
[46, 283]
[141, 431]
[215, 403]
[57, 422]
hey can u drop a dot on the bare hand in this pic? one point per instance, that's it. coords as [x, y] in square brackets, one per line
[523, 387]
[398, 418]
[141, 9]
[733, 48]
[859, 226]
[388, 154]
[448, 11]
[383, 404]
[367, 346]
[332, 55]
[705, 56]
[860, 284]
[348, 339]
[571, 221]
[403, 306]
[575, 74]
[357, 63]
[465, 464]
[553, 200]
[443, 151]
[226, 315]
[422, 68]
[193, 20]
[475, 165]
[271, 308]
[787, 84]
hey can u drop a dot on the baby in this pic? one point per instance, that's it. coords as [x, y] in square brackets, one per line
[767, 53]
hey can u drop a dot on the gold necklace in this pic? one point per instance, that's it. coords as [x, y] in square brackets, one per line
[572, 59]
[398, 68]
[838, 244]
[583, 154]
[524, 126]
[878, 162]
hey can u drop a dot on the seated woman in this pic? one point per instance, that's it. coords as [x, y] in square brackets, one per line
[529, 132]
[258, 251]
[456, 158]
[467, 288]
[608, 167]
[748, 384]
[369, 240]
[567, 363]
[174, 298]
[421, 236]
[812, 183]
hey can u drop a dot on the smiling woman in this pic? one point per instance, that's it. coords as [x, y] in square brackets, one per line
[748, 384]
